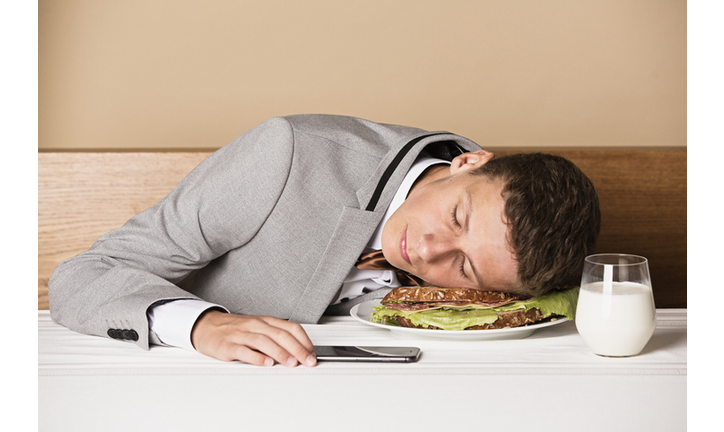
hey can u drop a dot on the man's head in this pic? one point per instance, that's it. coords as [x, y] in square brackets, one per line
[553, 216]
[521, 223]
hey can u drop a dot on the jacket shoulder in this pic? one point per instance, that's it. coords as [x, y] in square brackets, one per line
[353, 132]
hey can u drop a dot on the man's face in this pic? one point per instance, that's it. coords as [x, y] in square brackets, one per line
[451, 231]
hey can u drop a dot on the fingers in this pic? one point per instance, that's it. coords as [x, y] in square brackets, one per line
[285, 342]
[256, 340]
[251, 356]
[294, 329]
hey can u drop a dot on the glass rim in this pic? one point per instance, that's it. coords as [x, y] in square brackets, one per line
[615, 259]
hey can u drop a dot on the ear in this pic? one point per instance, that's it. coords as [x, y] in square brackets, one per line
[471, 160]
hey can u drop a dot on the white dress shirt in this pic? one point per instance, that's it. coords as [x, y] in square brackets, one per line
[172, 321]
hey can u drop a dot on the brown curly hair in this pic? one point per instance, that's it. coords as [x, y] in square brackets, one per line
[553, 218]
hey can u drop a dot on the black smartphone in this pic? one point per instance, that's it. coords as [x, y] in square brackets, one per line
[367, 354]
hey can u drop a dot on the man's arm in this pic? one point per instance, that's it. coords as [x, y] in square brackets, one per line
[218, 207]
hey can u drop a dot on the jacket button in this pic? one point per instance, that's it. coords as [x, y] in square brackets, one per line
[133, 335]
[113, 333]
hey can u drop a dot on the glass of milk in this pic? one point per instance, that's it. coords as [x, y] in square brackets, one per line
[616, 315]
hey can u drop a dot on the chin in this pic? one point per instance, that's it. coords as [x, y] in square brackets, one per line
[393, 260]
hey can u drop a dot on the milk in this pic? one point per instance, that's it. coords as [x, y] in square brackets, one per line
[619, 323]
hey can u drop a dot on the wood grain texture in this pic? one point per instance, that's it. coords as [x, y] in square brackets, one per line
[83, 195]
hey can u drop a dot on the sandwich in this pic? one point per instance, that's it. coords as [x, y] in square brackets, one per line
[470, 309]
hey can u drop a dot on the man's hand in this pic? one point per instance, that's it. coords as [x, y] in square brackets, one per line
[258, 340]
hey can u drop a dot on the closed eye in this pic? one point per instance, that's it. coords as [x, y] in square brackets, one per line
[462, 269]
[454, 215]
[456, 224]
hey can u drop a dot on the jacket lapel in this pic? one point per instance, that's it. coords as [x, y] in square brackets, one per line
[353, 231]
[356, 225]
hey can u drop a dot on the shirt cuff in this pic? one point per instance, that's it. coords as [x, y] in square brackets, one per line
[173, 321]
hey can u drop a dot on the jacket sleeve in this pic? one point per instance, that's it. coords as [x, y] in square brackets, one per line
[219, 206]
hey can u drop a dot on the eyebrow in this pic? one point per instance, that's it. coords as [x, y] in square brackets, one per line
[468, 206]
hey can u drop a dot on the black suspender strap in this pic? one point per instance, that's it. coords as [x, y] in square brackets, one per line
[393, 166]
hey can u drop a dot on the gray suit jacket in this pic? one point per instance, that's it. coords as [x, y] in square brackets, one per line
[270, 224]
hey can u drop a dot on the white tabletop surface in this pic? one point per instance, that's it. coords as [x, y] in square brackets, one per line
[548, 381]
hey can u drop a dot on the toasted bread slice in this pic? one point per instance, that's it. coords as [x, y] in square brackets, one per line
[433, 294]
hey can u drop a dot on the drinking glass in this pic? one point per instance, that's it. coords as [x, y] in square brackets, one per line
[616, 315]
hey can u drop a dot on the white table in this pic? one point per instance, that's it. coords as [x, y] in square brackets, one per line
[549, 381]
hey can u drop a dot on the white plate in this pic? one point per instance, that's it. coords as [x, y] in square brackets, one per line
[362, 311]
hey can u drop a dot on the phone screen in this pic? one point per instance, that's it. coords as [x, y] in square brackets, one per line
[367, 354]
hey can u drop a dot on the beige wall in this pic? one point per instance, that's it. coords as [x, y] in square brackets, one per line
[195, 74]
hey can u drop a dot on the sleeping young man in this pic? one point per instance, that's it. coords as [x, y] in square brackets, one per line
[268, 232]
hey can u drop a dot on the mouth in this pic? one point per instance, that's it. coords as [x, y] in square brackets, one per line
[403, 247]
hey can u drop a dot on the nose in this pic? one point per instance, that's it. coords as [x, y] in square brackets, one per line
[433, 247]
